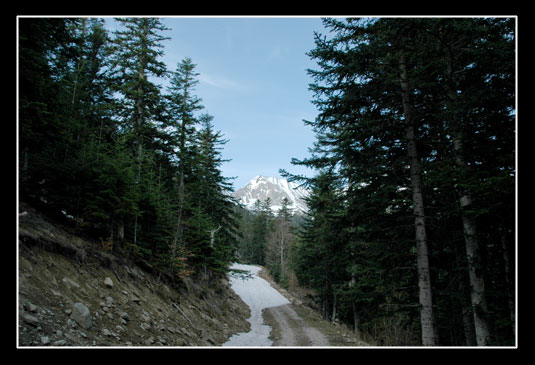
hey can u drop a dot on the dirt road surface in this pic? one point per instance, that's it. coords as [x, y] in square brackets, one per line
[292, 329]
[279, 319]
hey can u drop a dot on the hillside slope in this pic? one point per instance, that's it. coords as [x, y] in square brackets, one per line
[72, 293]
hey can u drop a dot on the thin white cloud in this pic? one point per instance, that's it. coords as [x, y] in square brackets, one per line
[222, 82]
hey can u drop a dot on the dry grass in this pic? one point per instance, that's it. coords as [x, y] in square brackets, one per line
[337, 334]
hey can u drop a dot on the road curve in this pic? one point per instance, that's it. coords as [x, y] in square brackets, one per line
[270, 312]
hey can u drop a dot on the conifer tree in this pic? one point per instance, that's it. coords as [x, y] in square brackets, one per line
[89, 106]
[80, 121]
[467, 82]
[182, 104]
[397, 98]
[260, 224]
[214, 193]
[136, 50]
[320, 253]
[41, 42]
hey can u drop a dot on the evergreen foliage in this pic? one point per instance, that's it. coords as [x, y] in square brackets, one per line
[357, 246]
[102, 147]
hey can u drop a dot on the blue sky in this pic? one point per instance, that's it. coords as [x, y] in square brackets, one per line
[253, 81]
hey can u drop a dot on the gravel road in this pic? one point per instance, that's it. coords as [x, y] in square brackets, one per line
[266, 301]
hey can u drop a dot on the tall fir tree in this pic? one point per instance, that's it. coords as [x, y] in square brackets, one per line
[182, 103]
[135, 53]
[41, 42]
[214, 192]
[397, 99]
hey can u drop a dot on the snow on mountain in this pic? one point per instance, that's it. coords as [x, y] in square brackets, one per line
[262, 187]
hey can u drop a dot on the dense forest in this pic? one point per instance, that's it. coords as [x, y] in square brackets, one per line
[101, 144]
[410, 234]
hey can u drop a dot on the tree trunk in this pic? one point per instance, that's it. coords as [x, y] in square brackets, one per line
[120, 229]
[468, 322]
[477, 284]
[138, 183]
[509, 286]
[356, 317]
[111, 229]
[139, 115]
[25, 159]
[135, 230]
[356, 320]
[334, 308]
[282, 253]
[475, 268]
[212, 235]
[464, 297]
[181, 156]
[424, 280]
[178, 233]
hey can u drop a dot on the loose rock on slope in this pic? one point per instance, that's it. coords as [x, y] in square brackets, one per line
[60, 274]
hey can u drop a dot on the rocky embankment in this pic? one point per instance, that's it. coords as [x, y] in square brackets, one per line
[73, 293]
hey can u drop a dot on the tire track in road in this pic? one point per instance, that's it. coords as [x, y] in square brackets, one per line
[294, 331]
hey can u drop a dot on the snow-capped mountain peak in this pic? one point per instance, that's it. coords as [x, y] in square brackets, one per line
[262, 187]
